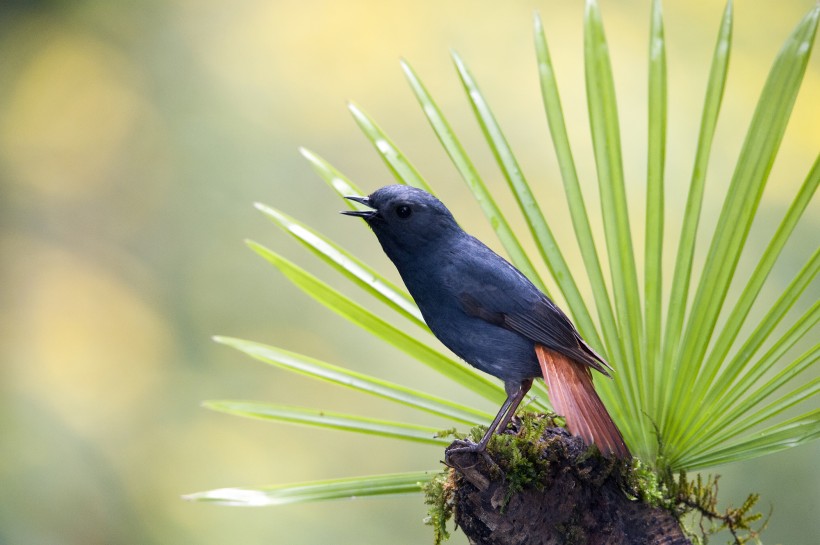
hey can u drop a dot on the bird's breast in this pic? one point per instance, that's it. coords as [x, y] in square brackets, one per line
[488, 347]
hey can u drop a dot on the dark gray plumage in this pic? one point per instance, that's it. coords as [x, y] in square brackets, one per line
[485, 310]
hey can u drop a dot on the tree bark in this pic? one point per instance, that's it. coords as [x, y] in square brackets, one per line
[577, 499]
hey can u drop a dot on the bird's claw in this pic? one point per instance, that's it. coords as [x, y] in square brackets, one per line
[468, 446]
[473, 448]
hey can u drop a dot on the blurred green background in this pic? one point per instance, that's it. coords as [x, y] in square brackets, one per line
[134, 137]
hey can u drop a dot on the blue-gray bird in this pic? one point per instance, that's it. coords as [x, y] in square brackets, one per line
[489, 313]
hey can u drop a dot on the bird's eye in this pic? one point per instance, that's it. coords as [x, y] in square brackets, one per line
[403, 211]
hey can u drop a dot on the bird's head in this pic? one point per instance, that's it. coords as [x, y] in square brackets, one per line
[405, 219]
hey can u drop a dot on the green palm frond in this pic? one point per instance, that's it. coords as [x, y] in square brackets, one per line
[333, 489]
[330, 420]
[655, 202]
[313, 368]
[714, 376]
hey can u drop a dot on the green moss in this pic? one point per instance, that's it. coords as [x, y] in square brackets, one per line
[644, 484]
[438, 496]
[521, 456]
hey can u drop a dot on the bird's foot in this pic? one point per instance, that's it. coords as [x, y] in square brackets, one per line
[465, 446]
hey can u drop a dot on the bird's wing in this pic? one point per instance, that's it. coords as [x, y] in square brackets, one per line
[503, 296]
[547, 324]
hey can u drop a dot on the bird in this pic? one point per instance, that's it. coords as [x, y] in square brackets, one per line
[490, 314]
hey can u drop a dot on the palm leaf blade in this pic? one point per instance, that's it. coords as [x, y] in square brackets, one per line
[653, 251]
[354, 487]
[327, 419]
[313, 368]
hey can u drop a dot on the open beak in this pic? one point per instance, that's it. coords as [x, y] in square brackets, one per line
[366, 214]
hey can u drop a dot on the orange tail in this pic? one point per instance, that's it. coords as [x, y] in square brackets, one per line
[573, 396]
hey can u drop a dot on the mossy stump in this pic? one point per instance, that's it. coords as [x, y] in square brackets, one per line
[553, 491]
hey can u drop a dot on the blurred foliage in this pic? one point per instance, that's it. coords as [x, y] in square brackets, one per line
[133, 138]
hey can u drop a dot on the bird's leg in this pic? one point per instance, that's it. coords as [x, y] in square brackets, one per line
[522, 390]
[515, 393]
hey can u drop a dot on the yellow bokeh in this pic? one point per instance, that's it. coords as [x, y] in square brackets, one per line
[69, 115]
[82, 340]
